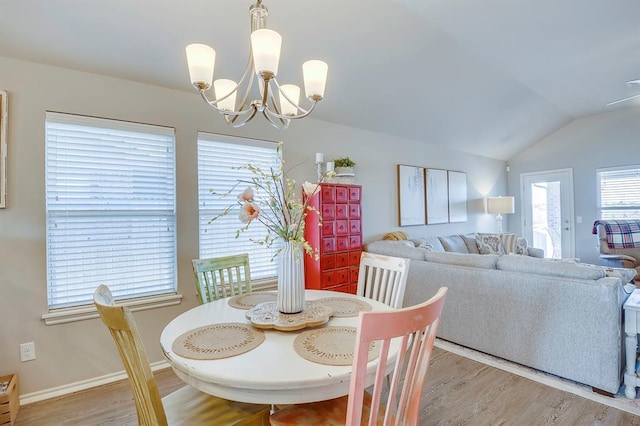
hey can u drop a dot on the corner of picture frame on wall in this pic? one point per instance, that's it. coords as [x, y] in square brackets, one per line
[411, 195]
[457, 196]
[4, 122]
[437, 196]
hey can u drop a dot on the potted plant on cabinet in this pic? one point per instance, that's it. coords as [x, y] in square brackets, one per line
[344, 166]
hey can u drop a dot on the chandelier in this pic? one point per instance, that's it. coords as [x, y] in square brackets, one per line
[231, 98]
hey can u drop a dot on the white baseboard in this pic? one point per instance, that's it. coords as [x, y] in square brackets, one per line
[67, 389]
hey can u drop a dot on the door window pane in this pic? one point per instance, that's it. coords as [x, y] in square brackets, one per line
[547, 218]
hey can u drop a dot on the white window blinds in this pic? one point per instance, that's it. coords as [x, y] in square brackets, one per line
[110, 205]
[218, 159]
[619, 192]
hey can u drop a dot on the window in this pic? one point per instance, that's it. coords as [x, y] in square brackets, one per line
[218, 158]
[619, 192]
[110, 207]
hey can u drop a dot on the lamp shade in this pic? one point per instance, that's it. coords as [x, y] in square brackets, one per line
[314, 73]
[292, 92]
[501, 205]
[201, 60]
[222, 88]
[265, 45]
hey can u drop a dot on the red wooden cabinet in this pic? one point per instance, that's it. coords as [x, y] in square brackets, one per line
[337, 238]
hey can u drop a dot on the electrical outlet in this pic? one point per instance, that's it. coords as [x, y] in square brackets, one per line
[27, 351]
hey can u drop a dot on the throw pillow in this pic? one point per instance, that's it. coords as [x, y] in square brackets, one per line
[521, 246]
[431, 244]
[454, 243]
[427, 246]
[470, 242]
[509, 242]
[489, 244]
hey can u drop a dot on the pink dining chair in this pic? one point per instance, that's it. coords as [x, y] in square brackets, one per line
[416, 326]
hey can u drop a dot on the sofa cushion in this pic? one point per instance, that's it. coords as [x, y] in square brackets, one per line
[489, 244]
[454, 243]
[626, 275]
[393, 248]
[534, 265]
[463, 259]
[429, 244]
[535, 252]
[406, 243]
[471, 243]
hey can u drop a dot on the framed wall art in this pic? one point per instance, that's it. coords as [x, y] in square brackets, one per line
[4, 122]
[437, 196]
[411, 195]
[457, 196]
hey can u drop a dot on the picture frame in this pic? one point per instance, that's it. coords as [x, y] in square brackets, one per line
[457, 196]
[411, 195]
[4, 123]
[437, 188]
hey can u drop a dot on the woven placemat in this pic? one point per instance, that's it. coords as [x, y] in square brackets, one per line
[217, 341]
[330, 345]
[249, 300]
[345, 306]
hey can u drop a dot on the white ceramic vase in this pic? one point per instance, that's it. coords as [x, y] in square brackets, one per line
[291, 279]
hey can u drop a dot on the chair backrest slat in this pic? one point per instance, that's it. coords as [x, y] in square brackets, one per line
[221, 277]
[383, 278]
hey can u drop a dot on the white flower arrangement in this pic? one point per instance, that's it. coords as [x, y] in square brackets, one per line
[270, 198]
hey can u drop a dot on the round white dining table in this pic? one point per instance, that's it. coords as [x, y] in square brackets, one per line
[272, 373]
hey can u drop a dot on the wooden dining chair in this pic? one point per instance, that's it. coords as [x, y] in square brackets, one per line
[383, 278]
[187, 405]
[416, 326]
[221, 277]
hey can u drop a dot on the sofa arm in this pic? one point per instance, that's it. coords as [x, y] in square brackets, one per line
[535, 252]
[617, 261]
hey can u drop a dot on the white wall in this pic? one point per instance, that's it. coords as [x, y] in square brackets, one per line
[84, 350]
[603, 140]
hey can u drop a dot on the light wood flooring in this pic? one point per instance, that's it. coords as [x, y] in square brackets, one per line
[459, 391]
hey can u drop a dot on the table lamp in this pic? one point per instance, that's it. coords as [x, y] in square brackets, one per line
[500, 206]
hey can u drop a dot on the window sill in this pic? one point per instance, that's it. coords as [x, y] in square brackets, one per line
[62, 316]
[264, 284]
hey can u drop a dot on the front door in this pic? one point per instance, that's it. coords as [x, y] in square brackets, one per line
[547, 206]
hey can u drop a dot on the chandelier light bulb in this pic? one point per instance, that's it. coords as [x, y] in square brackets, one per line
[292, 92]
[201, 60]
[315, 78]
[222, 87]
[265, 45]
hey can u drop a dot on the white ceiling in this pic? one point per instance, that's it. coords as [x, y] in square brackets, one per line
[489, 77]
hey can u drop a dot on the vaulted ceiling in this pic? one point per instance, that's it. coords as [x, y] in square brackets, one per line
[489, 77]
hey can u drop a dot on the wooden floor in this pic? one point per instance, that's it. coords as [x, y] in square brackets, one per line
[459, 391]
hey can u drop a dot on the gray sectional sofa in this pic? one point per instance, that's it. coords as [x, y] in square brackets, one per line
[561, 317]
